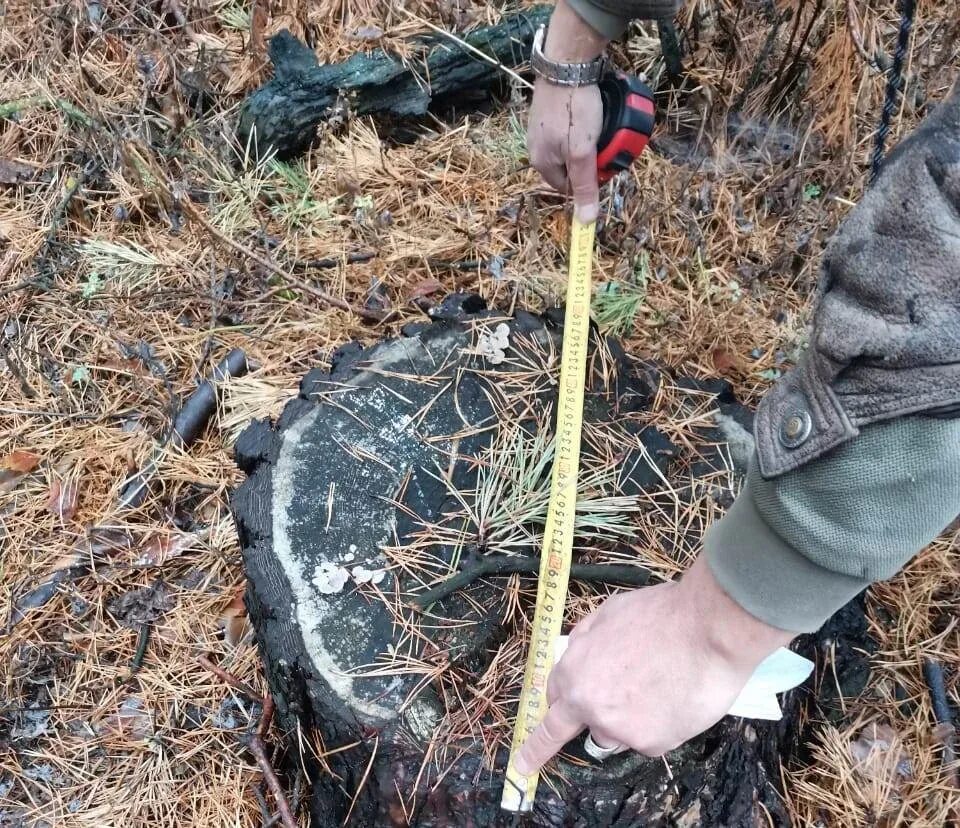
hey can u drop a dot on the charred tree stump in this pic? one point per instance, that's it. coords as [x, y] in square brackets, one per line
[367, 455]
[283, 115]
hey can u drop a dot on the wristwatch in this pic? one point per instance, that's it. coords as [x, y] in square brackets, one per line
[564, 74]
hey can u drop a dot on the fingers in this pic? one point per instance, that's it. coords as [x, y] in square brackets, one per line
[558, 727]
[583, 626]
[582, 173]
[555, 175]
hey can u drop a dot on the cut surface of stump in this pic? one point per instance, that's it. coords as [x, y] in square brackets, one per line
[416, 460]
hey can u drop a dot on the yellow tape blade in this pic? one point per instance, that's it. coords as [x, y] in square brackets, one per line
[519, 791]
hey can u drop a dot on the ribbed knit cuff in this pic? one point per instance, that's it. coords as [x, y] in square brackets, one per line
[602, 21]
[768, 577]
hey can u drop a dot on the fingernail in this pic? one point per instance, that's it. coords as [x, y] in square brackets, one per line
[586, 213]
[520, 765]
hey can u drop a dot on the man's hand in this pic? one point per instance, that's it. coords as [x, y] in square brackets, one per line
[564, 123]
[651, 669]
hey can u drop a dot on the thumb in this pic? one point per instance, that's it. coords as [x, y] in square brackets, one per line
[582, 174]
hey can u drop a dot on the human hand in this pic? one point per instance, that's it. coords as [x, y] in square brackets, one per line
[564, 123]
[651, 669]
[562, 132]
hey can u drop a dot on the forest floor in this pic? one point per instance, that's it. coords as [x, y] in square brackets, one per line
[117, 131]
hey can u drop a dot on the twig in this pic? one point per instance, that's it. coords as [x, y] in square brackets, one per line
[780, 88]
[255, 746]
[143, 641]
[266, 716]
[15, 107]
[760, 62]
[503, 565]
[231, 679]
[15, 369]
[19, 286]
[879, 60]
[292, 281]
[268, 819]
[472, 264]
[73, 186]
[670, 46]
[325, 264]
[254, 742]
[933, 673]
[187, 425]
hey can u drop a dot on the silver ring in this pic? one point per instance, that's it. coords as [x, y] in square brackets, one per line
[594, 751]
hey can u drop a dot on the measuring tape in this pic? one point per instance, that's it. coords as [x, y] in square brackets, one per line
[627, 126]
[519, 791]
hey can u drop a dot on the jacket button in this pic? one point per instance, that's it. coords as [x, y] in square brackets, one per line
[795, 428]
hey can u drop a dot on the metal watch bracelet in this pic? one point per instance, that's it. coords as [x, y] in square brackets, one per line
[564, 74]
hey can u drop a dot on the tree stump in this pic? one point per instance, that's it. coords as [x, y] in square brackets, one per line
[384, 477]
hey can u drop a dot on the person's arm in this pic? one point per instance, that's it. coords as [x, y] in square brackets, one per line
[857, 467]
[564, 124]
[657, 666]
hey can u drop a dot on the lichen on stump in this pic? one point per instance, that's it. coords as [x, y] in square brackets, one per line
[411, 461]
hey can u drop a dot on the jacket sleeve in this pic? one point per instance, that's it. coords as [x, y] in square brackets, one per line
[857, 462]
[794, 549]
[610, 17]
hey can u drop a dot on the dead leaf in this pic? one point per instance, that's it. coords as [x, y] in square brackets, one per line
[130, 720]
[62, 500]
[142, 606]
[234, 621]
[20, 461]
[879, 756]
[425, 288]
[723, 361]
[15, 172]
[14, 467]
[366, 33]
[101, 544]
[161, 548]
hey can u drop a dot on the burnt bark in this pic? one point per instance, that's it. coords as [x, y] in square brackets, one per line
[283, 115]
[730, 776]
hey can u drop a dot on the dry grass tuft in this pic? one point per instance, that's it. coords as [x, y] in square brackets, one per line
[121, 114]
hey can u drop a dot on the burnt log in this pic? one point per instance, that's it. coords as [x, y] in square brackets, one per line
[398, 437]
[282, 116]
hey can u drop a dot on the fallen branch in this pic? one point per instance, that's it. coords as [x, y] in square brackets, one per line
[256, 747]
[946, 732]
[504, 565]
[254, 742]
[326, 263]
[229, 678]
[670, 47]
[283, 115]
[19, 286]
[17, 371]
[187, 425]
[290, 280]
[143, 641]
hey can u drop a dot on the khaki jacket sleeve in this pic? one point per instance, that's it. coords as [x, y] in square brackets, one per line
[610, 17]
